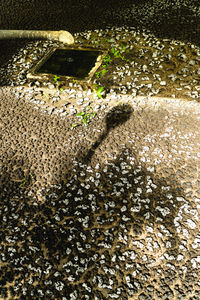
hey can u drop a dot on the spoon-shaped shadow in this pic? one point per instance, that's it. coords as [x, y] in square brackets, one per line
[115, 117]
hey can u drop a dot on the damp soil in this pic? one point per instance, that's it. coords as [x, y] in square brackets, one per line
[102, 210]
[109, 206]
[150, 67]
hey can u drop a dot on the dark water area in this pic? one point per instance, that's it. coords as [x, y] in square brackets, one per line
[72, 63]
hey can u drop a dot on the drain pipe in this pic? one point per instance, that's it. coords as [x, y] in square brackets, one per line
[61, 35]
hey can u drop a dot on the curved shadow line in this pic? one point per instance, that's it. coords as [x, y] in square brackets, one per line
[115, 117]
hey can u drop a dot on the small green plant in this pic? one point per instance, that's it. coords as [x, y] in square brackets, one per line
[97, 74]
[94, 41]
[74, 125]
[107, 58]
[124, 48]
[56, 81]
[56, 78]
[99, 91]
[25, 180]
[103, 72]
[75, 81]
[46, 95]
[107, 40]
[120, 49]
[86, 116]
[117, 54]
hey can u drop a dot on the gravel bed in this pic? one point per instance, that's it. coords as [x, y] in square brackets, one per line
[109, 210]
[153, 67]
[118, 219]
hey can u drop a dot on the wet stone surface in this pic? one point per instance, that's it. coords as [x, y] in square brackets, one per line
[109, 210]
[105, 211]
[150, 66]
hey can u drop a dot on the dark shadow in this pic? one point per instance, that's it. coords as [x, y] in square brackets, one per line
[9, 48]
[167, 21]
[116, 116]
[15, 175]
[69, 242]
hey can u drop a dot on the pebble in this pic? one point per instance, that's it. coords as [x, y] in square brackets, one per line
[63, 114]
[122, 74]
[79, 95]
[51, 109]
[80, 102]
[97, 107]
[73, 111]
[51, 86]
[172, 76]
[144, 68]
[192, 62]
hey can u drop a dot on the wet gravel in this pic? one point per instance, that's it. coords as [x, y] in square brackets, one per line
[114, 213]
[109, 210]
[152, 67]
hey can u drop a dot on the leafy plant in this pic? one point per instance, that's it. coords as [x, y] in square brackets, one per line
[74, 125]
[97, 74]
[107, 58]
[94, 41]
[75, 81]
[124, 48]
[99, 91]
[56, 81]
[117, 54]
[25, 180]
[56, 78]
[103, 72]
[85, 116]
[46, 95]
[120, 49]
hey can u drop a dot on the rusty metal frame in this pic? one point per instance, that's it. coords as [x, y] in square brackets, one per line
[33, 72]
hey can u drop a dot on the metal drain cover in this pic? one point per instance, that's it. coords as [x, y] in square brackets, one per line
[77, 63]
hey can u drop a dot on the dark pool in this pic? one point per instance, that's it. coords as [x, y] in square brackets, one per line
[72, 63]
